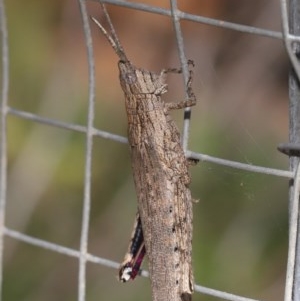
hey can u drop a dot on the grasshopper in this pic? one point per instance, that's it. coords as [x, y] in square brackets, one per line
[161, 177]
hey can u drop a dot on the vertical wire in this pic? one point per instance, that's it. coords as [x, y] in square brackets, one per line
[288, 39]
[88, 156]
[290, 24]
[3, 137]
[293, 230]
[183, 62]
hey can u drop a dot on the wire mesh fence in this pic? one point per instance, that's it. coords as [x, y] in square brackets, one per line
[13, 203]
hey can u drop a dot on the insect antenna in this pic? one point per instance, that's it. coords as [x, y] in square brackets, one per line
[112, 37]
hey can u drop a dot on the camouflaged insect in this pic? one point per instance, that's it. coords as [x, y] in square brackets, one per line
[161, 177]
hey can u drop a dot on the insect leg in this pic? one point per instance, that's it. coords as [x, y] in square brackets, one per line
[191, 101]
[177, 70]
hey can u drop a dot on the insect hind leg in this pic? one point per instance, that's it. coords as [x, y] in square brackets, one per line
[177, 70]
[191, 98]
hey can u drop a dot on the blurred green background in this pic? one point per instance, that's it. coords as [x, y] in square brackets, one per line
[240, 222]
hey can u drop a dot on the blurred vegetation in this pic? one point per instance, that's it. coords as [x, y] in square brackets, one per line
[240, 221]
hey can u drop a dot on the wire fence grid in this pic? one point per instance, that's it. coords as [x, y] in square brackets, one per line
[290, 21]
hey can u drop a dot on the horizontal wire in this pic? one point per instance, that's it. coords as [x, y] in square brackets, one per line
[221, 294]
[58, 248]
[196, 18]
[122, 139]
[65, 125]
[242, 166]
[108, 263]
